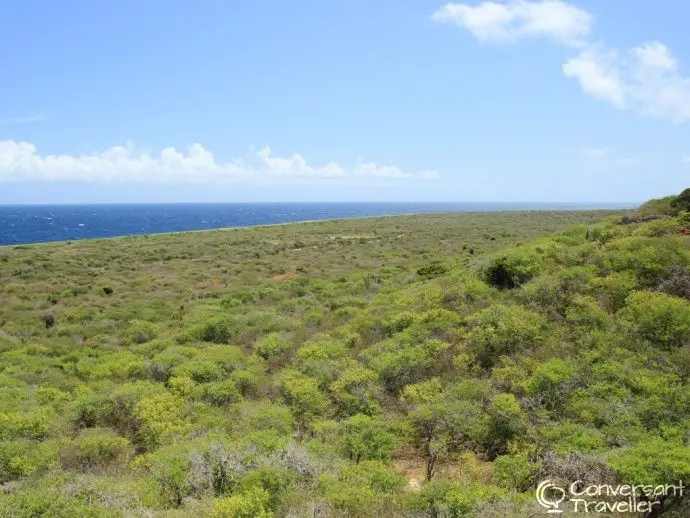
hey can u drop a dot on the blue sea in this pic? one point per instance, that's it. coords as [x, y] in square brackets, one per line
[21, 224]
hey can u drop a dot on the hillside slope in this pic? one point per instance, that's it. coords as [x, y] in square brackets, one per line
[385, 367]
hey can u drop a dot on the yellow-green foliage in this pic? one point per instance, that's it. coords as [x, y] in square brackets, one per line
[419, 366]
[251, 503]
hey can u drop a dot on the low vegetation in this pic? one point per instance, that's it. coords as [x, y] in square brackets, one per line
[416, 366]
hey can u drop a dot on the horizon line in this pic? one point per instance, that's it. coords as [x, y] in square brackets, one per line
[81, 204]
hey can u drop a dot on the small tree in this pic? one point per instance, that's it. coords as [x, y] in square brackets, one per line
[682, 201]
[368, 438]
[48, 320]
[430, 419]
[305, 399]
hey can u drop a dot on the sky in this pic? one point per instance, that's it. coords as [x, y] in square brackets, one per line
[343, 100]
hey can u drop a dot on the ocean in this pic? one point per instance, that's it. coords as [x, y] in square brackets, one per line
[23, 224]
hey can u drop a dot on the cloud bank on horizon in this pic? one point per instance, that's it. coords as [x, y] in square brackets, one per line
[645, 78]
[20, 161]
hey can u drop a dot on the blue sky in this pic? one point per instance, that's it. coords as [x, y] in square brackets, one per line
[343, 100]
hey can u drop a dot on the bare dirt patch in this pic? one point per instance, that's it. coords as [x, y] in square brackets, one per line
[467, 465]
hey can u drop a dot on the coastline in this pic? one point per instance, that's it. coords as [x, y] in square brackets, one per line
[321, 220]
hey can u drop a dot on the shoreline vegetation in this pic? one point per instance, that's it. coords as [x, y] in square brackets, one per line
[584, 208]
[420, 366]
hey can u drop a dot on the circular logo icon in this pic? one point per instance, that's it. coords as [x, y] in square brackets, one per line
[550, 496]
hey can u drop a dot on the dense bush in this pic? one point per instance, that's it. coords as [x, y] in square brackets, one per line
[682, 201]
[502, 330]
[660, 318]
[513, 269]
[96, 451]
[251, 503]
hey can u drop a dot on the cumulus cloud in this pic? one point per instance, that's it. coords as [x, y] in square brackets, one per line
[496, 22]
[645, 78]
[20, 161]
[598, 75]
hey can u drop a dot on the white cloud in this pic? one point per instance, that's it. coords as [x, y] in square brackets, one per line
[686, 160]
[20, 161]
[495, 22]
[38, 117]
[655, 57]
[597, 75]
[646, 79]
[373, 170]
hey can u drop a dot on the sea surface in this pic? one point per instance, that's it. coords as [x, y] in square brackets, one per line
[22, 224]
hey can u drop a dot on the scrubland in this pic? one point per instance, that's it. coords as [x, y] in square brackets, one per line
[412, 366]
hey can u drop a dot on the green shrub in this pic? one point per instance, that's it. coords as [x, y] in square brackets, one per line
[143, 412]
[571, 437]
[613, 289]
[159, 416]
[304, 397]
[654, 462]
[219, 330]
[506, 422]
[24, 457]
[273, 345]
[96, 450]
[401, 366]
[277, 482]
[368, 438]
[367, 489]
[454, 499]
[201, 371]
[659, 227]
[513, 269]
[433, 269]
[164, 363]
[219, 393]
[182, 385]
[681, 202]
[356, 390]
[322, 349]
[552, 382]
[28, 425]
[398, 323]
[660, 318]
[48, 320]
[251, 503]
[515, 472]
[248, 381]
[661, 206]
[584, 312]
[140, 331]
[261, 416]
[502, 330]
